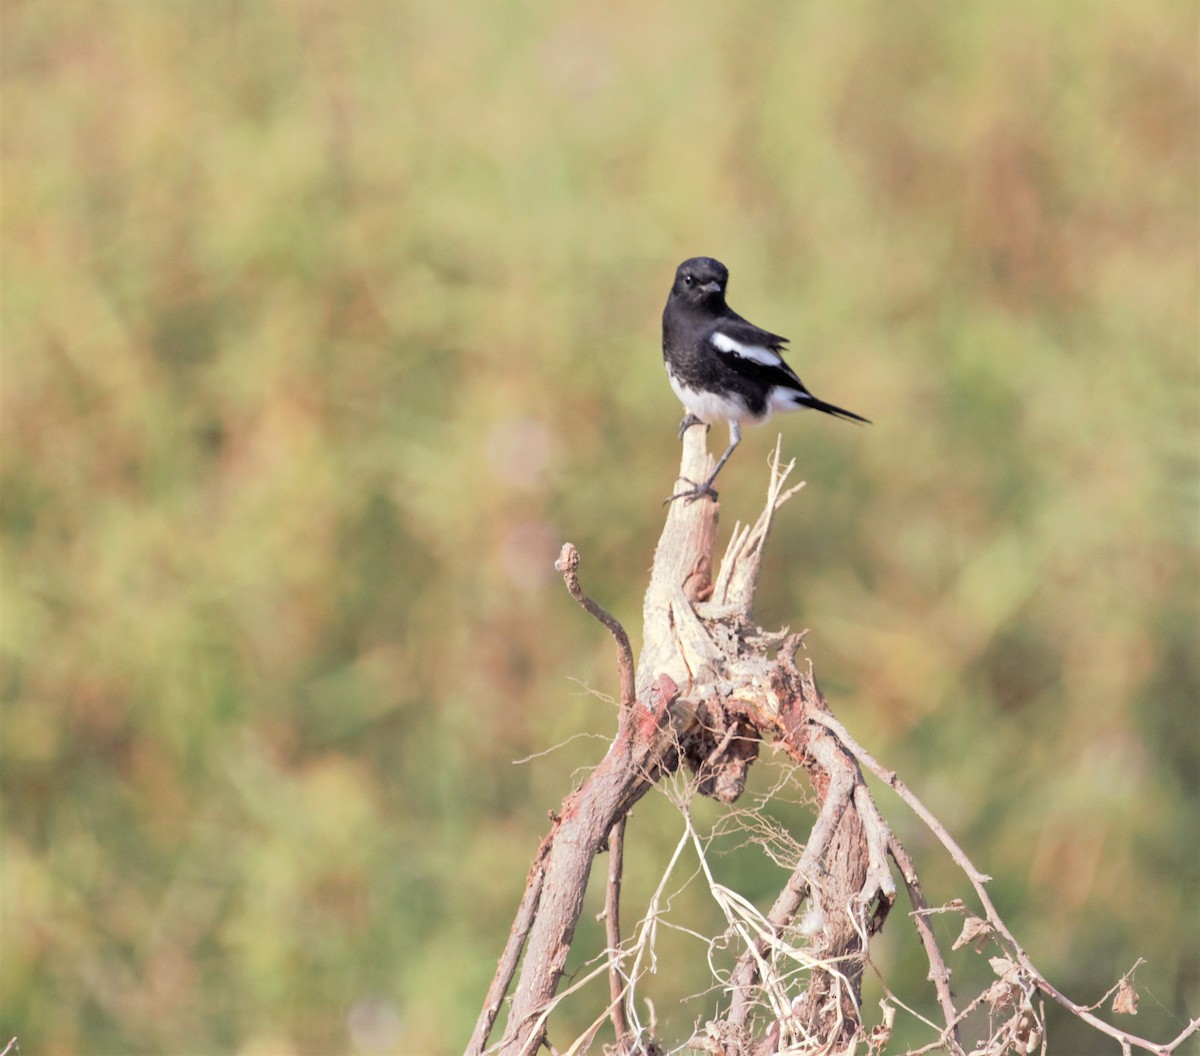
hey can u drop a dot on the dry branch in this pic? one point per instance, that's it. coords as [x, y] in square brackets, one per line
[709, 688]
[978, 881]
[612, 932]
[568, 565]
[512, 950]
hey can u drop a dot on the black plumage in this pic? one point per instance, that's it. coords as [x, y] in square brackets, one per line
[723, 367]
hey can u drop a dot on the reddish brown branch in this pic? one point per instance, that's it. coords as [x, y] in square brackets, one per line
[511, 956]
[642, 750]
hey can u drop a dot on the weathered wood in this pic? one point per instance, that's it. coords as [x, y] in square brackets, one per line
[709, 685]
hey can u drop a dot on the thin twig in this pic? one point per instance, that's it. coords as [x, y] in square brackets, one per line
[978, 881]
[643, 948]
[939, 974]
[746, 973]
[612, 930]
[879, 883]
[738, 576]
[568, 565]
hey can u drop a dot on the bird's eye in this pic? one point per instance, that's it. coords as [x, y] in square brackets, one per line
[688, 280]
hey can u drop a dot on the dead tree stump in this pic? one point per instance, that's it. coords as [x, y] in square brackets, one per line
[710, 685]
[710, 688]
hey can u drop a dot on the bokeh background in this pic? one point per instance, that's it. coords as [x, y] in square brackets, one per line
[325, 324]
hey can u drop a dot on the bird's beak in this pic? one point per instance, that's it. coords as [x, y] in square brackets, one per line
[711, 287]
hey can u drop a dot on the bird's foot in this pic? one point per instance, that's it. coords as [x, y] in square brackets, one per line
[688, 421]
[694, 492]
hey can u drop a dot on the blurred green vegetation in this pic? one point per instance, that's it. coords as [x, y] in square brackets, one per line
[325, 324]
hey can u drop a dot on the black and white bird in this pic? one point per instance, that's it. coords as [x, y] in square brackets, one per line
[723, 368]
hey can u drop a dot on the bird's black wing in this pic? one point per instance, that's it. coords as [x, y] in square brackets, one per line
[747, 333]
[753, 352]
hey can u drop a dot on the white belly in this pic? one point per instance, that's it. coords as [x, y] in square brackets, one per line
[708, 406]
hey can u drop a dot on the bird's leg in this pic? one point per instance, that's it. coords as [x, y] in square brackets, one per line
[689, 420]
[735, 438]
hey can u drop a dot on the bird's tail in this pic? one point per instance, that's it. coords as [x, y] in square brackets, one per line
[809, 400]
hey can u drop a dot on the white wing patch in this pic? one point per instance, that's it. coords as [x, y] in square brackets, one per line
[758, 353]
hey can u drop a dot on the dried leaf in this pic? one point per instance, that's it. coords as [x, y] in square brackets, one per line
[1027, 1024]
[1004, 968]
[1126, 998]
[974, 930]
[1000, 995]
[881, 1033]
[709, 1041]
[889, 1013]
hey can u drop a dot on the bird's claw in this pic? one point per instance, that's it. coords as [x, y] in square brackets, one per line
[688, 421]
[695, 492]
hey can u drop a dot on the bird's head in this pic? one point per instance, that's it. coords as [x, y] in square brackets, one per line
[700, 281]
